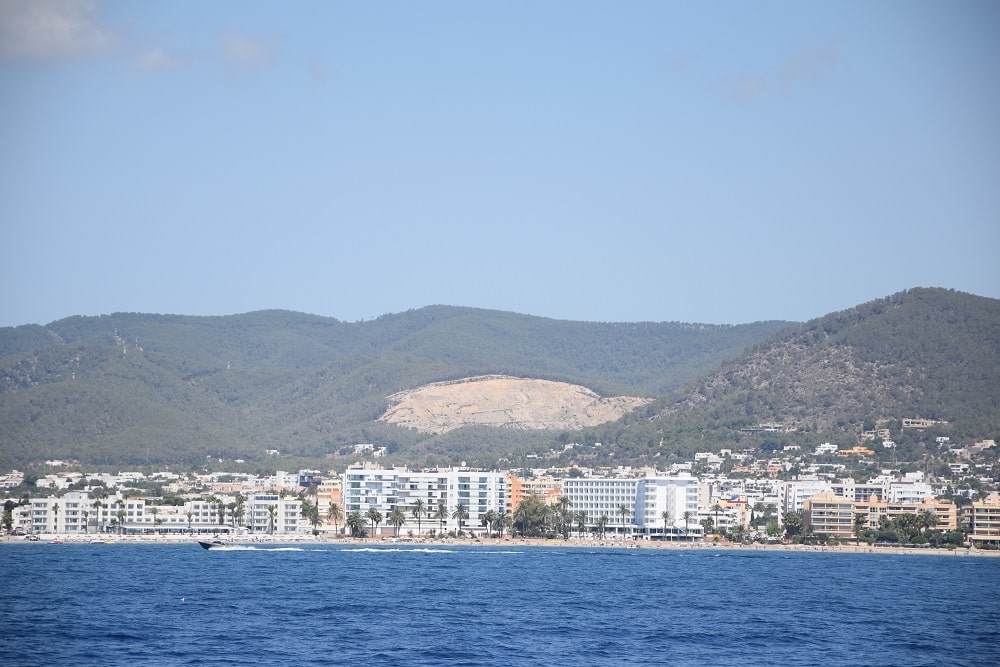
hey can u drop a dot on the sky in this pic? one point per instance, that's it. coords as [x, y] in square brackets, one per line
[722, 162]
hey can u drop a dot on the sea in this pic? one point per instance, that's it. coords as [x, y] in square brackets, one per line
[417, 605]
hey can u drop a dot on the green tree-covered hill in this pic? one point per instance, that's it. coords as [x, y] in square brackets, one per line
[137, 388]
[929, 353]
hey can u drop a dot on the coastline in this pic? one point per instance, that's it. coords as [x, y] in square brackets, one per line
[534, 543]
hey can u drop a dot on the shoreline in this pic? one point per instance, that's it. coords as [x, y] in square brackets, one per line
[533, 543]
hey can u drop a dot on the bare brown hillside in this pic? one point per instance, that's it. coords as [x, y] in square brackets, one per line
[504, 401]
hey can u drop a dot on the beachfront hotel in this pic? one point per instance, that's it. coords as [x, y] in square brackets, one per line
[386, 489]
[645, 500]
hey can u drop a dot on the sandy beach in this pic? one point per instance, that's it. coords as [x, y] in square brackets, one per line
[285, 540]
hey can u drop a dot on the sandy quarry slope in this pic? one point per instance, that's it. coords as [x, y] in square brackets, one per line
[495, 400]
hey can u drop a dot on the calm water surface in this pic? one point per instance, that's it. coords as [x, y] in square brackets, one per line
[130, 604]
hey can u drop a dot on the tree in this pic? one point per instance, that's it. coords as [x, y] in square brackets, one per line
[97, 514]
[156, 521]
[793, 524]
[335, 513]
[687, 516]
[667, 518]
[716, 508]
[859, 526]
[272, 512]
[624, 511]
[529, 517]
[602, 524]
[562, 507]
[707, 525]
[121, 517]
[418, 512]
[461, 514]
[441, 515]
[375, 517]
[310, 512]
[927, 519]
[55, 519]
[240, 509]
[488, 520]
[356, 523]
[397, 519]
[581, 521]
[190, 515]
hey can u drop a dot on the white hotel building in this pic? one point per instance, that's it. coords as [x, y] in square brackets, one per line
[646, 499]
[387, 489]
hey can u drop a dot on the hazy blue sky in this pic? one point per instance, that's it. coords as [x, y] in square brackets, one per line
[717, 162]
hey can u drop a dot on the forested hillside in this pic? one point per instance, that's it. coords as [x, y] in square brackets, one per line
[137, 388]
[930, 353]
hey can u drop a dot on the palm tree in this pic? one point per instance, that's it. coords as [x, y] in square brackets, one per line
[623, 511]
[375, 517]
[189, 514]
[859, 526]
[667, 518]
[687, 516]
[239, 509]
[441, 515]
[121, 517]
[581, 521]
[336, 515]
[488, 520]
[272, 511]
[154, 511]
[397, 519]
[97, 514]
[716, 508]
[461, 514]
[356, 523]
[563, 503]
[418, 511]
[55, 519]
[928, 519]
[602, 524]
[505, 521]
[86, 521]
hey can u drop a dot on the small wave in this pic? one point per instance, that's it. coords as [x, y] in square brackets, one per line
[398, 550]
[248, 547]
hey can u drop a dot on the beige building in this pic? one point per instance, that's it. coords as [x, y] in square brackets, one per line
[983, 521]
[829, 514]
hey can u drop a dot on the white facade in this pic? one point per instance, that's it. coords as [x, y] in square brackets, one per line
[387, 489]
[675, 495]
[270, 514]
[644, 501]
[794, 493]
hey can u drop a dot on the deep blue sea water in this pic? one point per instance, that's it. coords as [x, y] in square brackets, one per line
[132, 604]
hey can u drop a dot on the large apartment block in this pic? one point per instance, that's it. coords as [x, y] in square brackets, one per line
[387, 489]
[637, 505]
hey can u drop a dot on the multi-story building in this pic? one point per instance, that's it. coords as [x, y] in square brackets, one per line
[546, 488]
[982, 520]
[829, 514]
[873, 509]
[271, 514]
[794, 493]
[398, 488]
[631, 506]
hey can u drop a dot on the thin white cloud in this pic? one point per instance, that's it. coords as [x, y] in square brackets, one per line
[801, 68]
[809, 65]
[156, 59]
[248, 51]
[317, 72]
[747, 88]
[49, 30]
